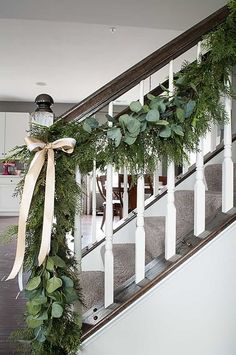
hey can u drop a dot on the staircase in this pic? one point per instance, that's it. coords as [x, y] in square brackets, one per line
[154, 241]
[124, 253]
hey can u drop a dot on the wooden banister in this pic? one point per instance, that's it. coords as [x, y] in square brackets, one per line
[145, 67]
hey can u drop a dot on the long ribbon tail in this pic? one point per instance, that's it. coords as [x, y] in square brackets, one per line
[30, 181]
[20, 279]
[48, 208]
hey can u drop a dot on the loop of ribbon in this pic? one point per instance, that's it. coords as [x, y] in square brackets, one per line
[41, 150]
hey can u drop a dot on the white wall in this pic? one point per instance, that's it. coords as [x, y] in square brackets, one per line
[191, 312]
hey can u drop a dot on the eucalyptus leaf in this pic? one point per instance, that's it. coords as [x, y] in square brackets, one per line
[180, 80]
[189, 108]
[151, 97]
[56, 295]
[86, 127]
[50, 264]
[134, 134]
[162, 123]
[146, 108]
[33, 283]
[165, 132]
[180, 114]
[42, 316]
[33, 323]
[39, 300]
[153, 116]
[58, 262]
[133, 125]
[39, 335]
[71, 295]
[124, 119]
[92, 122]
[67, 282]
[57, 310]
[32, 308]
[114, 133]
[143, 126]
[53, 284]
[135, 106]
[129, 140]
[162, 106]
[178, 130]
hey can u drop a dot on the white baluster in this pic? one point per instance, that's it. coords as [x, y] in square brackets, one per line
[109, 258]
[156, 182]
[140, 232]
[199, 193]
[227, 167]
[141, 92]
[94, 203]
[77, 228]
[214, 133]
[170, 225]
[88, 194]
[125, 195]
[199, 187]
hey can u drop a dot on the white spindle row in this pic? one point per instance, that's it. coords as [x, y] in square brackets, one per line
[170, 226]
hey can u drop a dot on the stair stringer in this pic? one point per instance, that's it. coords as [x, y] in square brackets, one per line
[192, 305]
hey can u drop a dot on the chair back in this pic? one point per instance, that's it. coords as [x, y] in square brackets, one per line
[101, 183]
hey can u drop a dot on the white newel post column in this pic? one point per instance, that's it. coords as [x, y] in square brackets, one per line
[109, 258]
[77, 228]
[140, 232]
[125, 195]
[94, 204]
[227, 167]
[199, 187]
[170, 225]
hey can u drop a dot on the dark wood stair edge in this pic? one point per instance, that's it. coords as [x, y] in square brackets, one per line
[159, 278]
[180, 179]
[145, 67]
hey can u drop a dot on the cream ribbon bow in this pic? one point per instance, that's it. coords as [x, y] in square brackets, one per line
[42, 149]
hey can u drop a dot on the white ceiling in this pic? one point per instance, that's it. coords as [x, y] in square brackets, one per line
[68, 45]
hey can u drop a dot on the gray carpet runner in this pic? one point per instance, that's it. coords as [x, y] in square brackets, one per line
[92, 282]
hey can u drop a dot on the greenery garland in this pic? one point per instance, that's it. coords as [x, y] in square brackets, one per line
[165, 127]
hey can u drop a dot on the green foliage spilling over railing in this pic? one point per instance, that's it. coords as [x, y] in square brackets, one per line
[163, 127]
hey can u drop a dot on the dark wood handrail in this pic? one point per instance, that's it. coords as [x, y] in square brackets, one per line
[145, 67]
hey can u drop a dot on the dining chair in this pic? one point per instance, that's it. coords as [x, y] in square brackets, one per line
[116, 202]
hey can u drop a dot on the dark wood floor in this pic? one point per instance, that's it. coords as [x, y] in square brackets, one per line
[11, 309]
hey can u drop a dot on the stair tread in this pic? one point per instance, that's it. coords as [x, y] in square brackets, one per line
[124, 253]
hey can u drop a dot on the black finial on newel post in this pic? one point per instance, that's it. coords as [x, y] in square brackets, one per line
[43, 114]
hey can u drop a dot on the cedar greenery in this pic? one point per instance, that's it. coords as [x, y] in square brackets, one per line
[164, 128]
